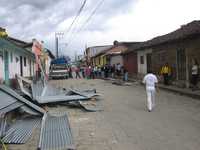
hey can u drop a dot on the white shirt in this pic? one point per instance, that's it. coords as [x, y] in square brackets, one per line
[150, 80]
[194, 70]
[119, 67]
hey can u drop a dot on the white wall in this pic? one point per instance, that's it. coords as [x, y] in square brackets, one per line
[47, 65]
[14, 64]
[116, 59]
[1, 68]
[142, 68]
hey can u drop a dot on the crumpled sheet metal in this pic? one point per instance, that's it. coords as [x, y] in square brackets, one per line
[12, 94]
[55, 133]
[21, 131]
[28, 110]
[86, 93]
[10, 107]
[3, 123]
[21, 80]
[59, 98]
[6, 100]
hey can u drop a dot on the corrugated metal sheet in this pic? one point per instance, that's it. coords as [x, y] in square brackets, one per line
[37, 89]
[21, 80]
[56, 133]
[88, 94]
[13, 94]
[21, 131]
[29, 110]
[6, 100]
[51, 91]
[2, 125]
[59, 98]
[10, 107]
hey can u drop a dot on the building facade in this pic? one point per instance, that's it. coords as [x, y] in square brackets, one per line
[15, 60]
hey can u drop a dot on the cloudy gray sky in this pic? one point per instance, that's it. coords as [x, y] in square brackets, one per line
[122, 20]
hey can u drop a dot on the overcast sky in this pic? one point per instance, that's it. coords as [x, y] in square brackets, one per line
[122, 20]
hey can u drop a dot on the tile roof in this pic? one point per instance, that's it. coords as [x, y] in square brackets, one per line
[185, 31]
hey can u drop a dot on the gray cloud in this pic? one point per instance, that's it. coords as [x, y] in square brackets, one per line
[27, 19]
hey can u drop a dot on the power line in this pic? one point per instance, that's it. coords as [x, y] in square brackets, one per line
[92, 14]
[88, 19]
[78, 14]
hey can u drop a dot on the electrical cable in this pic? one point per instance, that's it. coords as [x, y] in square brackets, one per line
[87, 20]
[78, 14]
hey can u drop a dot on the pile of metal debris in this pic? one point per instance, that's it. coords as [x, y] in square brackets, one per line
[21, 113]
[44, 93]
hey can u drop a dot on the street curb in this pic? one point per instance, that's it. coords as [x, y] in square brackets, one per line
[188, 94]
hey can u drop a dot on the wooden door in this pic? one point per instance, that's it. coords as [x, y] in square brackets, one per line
[149, 62]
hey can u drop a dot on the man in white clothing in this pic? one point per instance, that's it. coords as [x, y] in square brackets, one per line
[151, 84]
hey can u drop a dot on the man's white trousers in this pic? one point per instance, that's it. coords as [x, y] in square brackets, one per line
[150, 99]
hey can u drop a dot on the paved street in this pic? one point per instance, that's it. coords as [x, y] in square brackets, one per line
[125, 123]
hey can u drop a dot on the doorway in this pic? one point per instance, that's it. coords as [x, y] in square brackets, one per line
[21, 66]
[149, 62]
[181, 64]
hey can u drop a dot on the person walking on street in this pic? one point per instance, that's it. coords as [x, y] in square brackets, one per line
[118, 70]
[166, 72]
[125, 74]
[112, 71]
[77, 72]
[150, 80]
[195, 74]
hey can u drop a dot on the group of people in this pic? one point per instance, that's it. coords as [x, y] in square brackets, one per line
[166, 72]
[150, 80]
[93, 72]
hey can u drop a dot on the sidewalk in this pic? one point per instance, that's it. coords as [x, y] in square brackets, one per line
[182, 91]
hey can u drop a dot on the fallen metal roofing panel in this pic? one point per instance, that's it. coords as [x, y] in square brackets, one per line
[21, 80]
[55, 133]
[49, 90]
[87, 93]
[13, 94]
[21, 131]
[6, 100]
[59, 98]
[28, 110]
[2, 125]
[37, 89]
[11, 107]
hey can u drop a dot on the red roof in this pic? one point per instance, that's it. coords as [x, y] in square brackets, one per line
[117, 50]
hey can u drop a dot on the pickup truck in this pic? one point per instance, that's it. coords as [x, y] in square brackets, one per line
[59, 71]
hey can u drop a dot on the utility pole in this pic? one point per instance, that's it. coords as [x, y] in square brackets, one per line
[57, 36]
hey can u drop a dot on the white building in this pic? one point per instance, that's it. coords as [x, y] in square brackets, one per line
[14, 59]
[144, 60]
